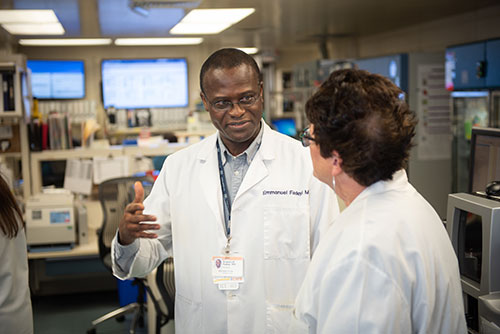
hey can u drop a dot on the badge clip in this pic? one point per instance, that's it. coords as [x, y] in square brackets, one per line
[227, 249]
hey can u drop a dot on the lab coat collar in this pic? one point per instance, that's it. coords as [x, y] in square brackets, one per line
[207, 147]
[267, 151]
[399, 181]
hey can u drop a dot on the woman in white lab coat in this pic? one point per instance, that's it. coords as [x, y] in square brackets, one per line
[240, 277]
[15, 304]
[386, 265]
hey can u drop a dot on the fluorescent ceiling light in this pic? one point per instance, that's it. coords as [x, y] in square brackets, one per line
[34, 28]
[210, 21]
[249, 51]
[28, 16]
[158, 41]
[65, 42]
[31, 22]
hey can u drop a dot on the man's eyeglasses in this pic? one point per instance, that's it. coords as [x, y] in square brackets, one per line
[306, 138]
[226, 105]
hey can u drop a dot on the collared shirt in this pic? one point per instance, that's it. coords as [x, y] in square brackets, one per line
[235, 168]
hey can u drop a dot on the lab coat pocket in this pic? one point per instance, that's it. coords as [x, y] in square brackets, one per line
[286, 233]
[188, 315]
[278, 318]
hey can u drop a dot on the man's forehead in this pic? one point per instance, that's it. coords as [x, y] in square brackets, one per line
[229, 69]
[230, 77]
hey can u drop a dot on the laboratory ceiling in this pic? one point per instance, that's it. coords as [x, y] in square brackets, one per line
[275, 23]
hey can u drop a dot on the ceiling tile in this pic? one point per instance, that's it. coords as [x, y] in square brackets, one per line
[116, 18]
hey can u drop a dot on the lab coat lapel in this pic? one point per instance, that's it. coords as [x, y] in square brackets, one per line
[258, 169]
[256, 173]
[209, 177]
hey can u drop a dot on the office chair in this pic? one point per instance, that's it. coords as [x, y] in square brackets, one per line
[114, 195]
[161, 288]
[165, 280]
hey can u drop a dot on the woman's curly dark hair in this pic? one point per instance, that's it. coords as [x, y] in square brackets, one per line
[364, 118]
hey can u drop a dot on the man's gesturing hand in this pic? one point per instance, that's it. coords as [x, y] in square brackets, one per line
[130, 226]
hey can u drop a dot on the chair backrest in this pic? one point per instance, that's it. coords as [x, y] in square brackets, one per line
[165, 280]
[114, 195]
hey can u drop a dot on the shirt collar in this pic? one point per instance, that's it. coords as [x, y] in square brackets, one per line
[250, 151]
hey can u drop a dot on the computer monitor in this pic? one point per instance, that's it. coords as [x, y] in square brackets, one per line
[484, 158]
[57, 79]
[473, 224]
[285, 125]
[145, 83]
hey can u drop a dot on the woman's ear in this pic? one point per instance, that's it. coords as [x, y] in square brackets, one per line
[336, 161]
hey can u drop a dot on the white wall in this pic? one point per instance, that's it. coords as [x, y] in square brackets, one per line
[431, 177]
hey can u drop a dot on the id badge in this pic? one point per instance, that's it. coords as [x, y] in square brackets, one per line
[227, 271]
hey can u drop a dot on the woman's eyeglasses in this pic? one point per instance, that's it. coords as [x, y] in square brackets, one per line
[306, 138]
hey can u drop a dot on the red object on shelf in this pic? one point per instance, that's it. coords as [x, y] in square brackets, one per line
[153, 173]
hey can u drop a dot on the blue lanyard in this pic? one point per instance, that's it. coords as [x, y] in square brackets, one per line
[225, 193]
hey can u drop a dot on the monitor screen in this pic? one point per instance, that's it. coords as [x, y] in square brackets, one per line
[144, 83]
[286, 126]
[470, 245]
[485, 158]
[57, 79]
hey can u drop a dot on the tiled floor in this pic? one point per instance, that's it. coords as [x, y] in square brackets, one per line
[73, 314]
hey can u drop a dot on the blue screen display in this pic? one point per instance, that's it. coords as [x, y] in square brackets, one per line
[57, 79]
[285, 125]
[145, 83]
[60, 217]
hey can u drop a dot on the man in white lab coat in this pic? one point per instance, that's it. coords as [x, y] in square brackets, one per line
[386, 265]
[240, 211]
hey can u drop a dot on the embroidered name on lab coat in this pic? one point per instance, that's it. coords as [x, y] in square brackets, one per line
[285, 192]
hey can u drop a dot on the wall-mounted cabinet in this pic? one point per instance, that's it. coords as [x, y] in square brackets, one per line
[473, 66]
[493, 63]
[468, 62]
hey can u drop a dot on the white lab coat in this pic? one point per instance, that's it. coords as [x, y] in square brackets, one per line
[385, 266]
[278, 216]
[15, 303]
